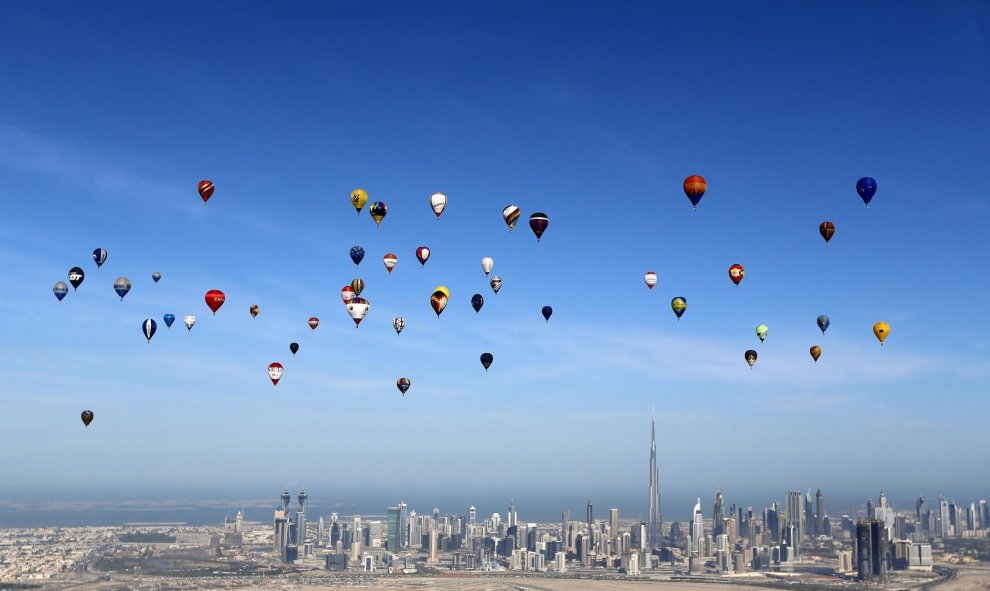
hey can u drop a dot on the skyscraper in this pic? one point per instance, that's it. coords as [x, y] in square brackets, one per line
[698, 530]
[717, 516]
[795, 511]
[301, 520]
[512, 518]
[820, 514]
[403, 530]
[281, 537]
[564, 515]
[394, 527]
[613, 523]
[655, 522]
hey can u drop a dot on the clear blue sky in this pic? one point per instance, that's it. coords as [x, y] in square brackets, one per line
[591, 112]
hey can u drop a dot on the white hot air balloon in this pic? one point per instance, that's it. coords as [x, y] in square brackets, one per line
[651, 279]
[486, 265]
[358, 309]
[398, 324]
[190, 320]
[438, 201]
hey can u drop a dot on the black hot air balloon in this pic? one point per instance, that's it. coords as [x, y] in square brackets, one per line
[87, 417]
[486, 360]
[539, 222]
[76, 277]
[293, 347]
[477, 302]
[547, 311]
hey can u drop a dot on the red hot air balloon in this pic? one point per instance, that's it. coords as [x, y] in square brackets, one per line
[736, 273]
[215, 299]
[205, 190]
[695, 187]
[423, 254]
[275, 372]
[347, 294]
[314, 322]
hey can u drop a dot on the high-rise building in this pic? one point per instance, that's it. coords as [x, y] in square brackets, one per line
[300, 540]
[286, 499]
[512, 518]
[698, 531]
[808, 525]
[613, 523]
[944, 529]
[394, 527]
[871, 550]
[472, 516]
[820, 514]
[281, 537]
[356, 538]
[403, 528]
[795, 511]
[564, 515]
[718, 516]
[655, 520]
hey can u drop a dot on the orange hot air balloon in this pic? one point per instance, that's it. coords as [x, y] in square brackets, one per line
[254, 311]
[695, 187]
[205, 190]
[816, 352]
[881, 329]
[215, 299]
[314, 322]
[736, 273]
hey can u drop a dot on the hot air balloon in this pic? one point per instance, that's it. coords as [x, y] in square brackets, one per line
[378, 210]
[816, 352]
[761, 332]
[156, 276]
[486, 265]
[358, 198]
[539, 222]
[357, 255]
[736, 273]
[215, 299]
[205, 190]
[189, 321]
[826, 229]
[694, 188]
[486, 360]
[347, 293]
[398, 324]
[148, 327]
[76, 277]
[169, 319]
[823, 323]
[60, 289]
[678, 305]
[651, 279]
[275, 372]
[390, 259]
[294, 347]
[357, 285]
[439, 299]
[122, 285]
[511, 215]
[358, 309]
[99, 257]
[751, 358]
[254, 310]
[477, 302]
[403, 385]
[438, 201]
[423, 254]
[314, 322]
[87, 417]
[547, 311]
[881, 329]
[866, 187]
[496, 283]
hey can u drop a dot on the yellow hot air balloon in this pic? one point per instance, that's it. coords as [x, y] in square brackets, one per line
[881, 329]
[816, 352]
[444, 289]
[358, 198]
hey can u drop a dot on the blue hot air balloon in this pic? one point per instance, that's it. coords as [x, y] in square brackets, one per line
[156, 276]
[866, 187]
[357, 255]
[100, 257]
[823, 323]
[60, 289]
[122, 285]
[148, 327]
[547, 311]
[169, 319]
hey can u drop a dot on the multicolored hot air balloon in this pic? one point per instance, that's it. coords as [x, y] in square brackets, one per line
[736, 273]
[87, 417]
[486, 360]
[826, 229]
[205, 189]
[423, 255]
[762, 331]
[751, 356]
[169, 319]
[357, 255]
[487, 263]
[816, 352]
[254, 310]
[275, 372]
[539, 222]
[438, 201]
[378, 210]
[678, 305]
[357, 286]
[439, 299]
[156, 276]
[823, 323]
[358, 198]
[511, 215]
[547, 312]
[148, 327]
[189, 321]
[60, 289]
[881, 330]
[76, 277]
[358, 309]
[398, 323]
[651, 279]
[866, 187]
[214, 299]
[99, 257]
[496, 283]
[314, 322]
[294, 348]
[403, 385]
[122, 285]
[695, 187]
[477, 302]
[390, 259]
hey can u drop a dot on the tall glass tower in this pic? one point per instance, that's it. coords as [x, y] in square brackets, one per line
[655, 524]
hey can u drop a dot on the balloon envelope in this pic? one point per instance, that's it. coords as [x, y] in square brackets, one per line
[169, 319]
[761, 331]
[403, 385]
[511, 215]
[651, 279]
[294, 347]
[823, 323]
[477, 302]
[275, 372]
[438, 201]
[148, 327]
[486, 360]
[390, 259]
[826, 229]
[358, 198]
[254, 310]
[496, 283]
[881, 330]
[87, 417]
[695, 187]
[122, 285]
[750, 358]
[486, 264]
[816, 352]
[398, 323]
[357, 254]
[156, 276]
[60, 289]
[99, 257]
[866, 187]
[423, 254]
[736, 273]
[214, 299]
[378, 210]
[347, 293]
[358, 309]
[205, 189]
[189, 321]
[678, 305]
[76, 277]
[547, 312]
[539, 222]
[357, 286]
[314, 322]
[439, 299]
